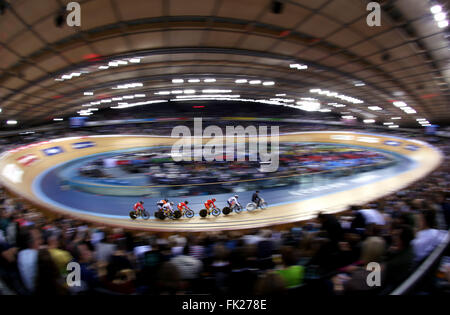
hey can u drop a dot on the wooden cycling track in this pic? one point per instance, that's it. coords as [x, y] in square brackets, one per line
[20, 167]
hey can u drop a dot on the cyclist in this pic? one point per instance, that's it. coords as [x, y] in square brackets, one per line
[233, 201]
[168, 208]
[210, 205]
[183, 206]
[256, 198]
[138, 206]
[161, 203]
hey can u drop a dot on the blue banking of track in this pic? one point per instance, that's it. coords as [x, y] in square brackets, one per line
[48, 187]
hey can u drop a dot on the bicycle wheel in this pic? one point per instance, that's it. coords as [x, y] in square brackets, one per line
[238, 209]
[203, 213]
[133, 215]
[189, 214]
[263, 205]
[226, 210]
[145, 215]
[216, 212]
[251, 206]
[177, 214]
[159, 215]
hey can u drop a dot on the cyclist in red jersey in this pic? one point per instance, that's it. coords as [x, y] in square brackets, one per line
[139, 206]
[210, 205]
[183, 206]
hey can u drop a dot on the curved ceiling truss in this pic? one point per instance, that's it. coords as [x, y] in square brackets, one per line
[226, 40]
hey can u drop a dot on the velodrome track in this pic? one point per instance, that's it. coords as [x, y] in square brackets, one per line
[20, 168]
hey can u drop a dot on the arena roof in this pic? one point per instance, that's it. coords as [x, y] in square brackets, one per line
[311, 50]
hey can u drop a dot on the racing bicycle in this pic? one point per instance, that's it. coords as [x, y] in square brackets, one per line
[214, 211]
[140, 213]
[236, 208]
[253, 206]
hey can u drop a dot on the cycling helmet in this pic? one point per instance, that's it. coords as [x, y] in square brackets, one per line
[171, 203]
[236, 196]
[186, 202]
[141, 202]
[213, 200]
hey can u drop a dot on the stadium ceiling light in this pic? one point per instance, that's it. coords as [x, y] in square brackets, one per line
[396, 118]
[139, 95]
[253, 82]
[269, 83]
[135, 60]
[103, 67]
[113, 64]
[394, 126]
[163, 93]
[214, 91]
[88, 93]
[409, 110]
[349, 117]
[211, 80]
[208, 96]
[441, 16]
[375, 108]
[369, 121]
[176, 92]
[189, 91]
[309, 106]
[58, 119]
[436, 9]
[298, 66]
[240, 81]
[280, 95]
[443, 24]
[194, 80]
[388, 123]
[126, 105]
[12, 122]
[177, 81]
[337, 95]
[400, 104]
